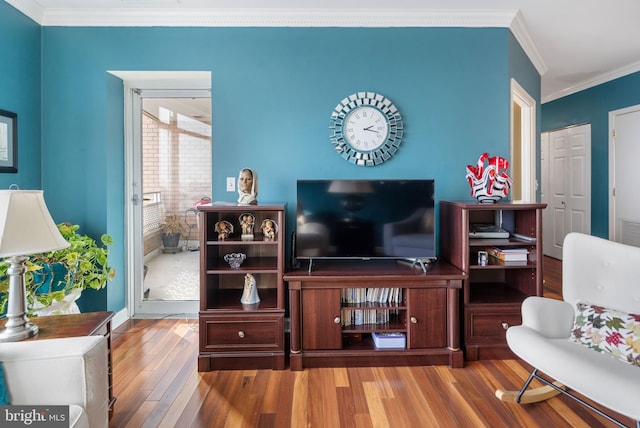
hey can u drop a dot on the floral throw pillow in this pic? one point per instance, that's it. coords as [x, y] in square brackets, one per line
[608, 331]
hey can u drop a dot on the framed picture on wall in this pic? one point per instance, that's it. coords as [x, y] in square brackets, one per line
[8, 141]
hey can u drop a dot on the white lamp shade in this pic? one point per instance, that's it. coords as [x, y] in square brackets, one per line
[26, 227]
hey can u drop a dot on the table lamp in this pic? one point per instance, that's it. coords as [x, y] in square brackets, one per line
[26, 228]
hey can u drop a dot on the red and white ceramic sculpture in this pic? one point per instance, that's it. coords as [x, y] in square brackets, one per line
[488, 179]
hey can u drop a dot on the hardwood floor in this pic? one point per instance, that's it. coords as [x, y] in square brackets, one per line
[157, 384]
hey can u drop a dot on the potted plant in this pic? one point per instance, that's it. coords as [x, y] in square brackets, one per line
[172, 228]
[56, 279]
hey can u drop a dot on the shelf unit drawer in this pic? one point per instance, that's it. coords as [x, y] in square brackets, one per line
[233, 333]
[490, 325]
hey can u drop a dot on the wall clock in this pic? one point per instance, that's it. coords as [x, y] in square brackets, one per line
[366, 129]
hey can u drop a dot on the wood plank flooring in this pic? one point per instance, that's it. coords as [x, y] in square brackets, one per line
[157, 384]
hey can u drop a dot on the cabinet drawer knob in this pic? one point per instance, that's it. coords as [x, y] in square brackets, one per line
[336, 320]
[505, 325]
[241, 334]
[414, 320]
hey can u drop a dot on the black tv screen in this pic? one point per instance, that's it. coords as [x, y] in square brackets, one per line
[365, 219]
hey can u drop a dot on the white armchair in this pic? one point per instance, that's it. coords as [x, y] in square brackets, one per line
[67, 371]
[601, 273]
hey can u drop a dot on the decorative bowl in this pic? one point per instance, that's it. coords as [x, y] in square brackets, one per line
[235, 259]
[483, 198]
[488, 179]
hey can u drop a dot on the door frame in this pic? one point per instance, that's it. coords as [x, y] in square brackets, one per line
[612, 165]
[528, 147]
[133, 82]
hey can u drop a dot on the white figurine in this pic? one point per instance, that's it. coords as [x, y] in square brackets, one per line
[250, 293]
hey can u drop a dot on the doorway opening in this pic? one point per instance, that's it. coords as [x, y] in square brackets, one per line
[168, 169]
[523, 144]
[176, 176]
[624, 209]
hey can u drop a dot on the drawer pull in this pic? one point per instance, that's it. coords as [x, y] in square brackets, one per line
[336, 320]
[241, 334]
[505, 325]
[414, 320]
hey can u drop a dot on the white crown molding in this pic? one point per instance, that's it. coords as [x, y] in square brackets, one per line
[519, 30]
[594, 81]
[141, 17]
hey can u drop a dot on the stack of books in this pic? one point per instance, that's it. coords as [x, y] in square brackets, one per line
[509, 254]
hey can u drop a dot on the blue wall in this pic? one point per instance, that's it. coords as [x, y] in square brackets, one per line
[593, 106]
[273, 90]
[20, 93]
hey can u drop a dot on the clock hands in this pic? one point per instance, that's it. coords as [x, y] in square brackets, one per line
[368, 128]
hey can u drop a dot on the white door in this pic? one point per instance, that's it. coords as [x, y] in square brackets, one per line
[624, 153]
[568, 171]
[174, 172]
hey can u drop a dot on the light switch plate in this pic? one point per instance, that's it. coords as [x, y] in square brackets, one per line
[231, 184]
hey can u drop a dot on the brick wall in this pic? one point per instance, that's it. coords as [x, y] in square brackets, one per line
[176, 157]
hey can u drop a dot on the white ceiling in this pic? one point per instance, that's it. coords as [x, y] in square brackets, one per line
[574, 44]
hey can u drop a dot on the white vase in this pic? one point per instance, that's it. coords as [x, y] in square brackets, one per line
[67, 305]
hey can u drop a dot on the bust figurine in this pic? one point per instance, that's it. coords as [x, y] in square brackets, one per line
[247, 187]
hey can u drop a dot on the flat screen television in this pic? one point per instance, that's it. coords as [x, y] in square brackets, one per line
[365, 219]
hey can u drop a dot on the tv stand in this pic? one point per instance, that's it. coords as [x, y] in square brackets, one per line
[417, 263]
[329, 329]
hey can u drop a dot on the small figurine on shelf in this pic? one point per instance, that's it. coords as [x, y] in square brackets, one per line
[250, 292]
[269, 229]
[223, 229]
[247, 187]
[247, 221]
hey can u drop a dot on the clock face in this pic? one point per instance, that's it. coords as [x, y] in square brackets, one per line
[366, 129]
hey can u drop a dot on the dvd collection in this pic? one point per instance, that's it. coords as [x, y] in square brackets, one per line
[378, 298]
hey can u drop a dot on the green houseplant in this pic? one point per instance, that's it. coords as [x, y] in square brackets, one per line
[172, 228]
[54, 276]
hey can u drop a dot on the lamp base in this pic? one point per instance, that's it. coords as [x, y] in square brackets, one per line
[18, 333]
[17, 326]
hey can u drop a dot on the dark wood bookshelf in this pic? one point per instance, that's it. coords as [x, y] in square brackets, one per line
[233, 335]
[493, 293]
